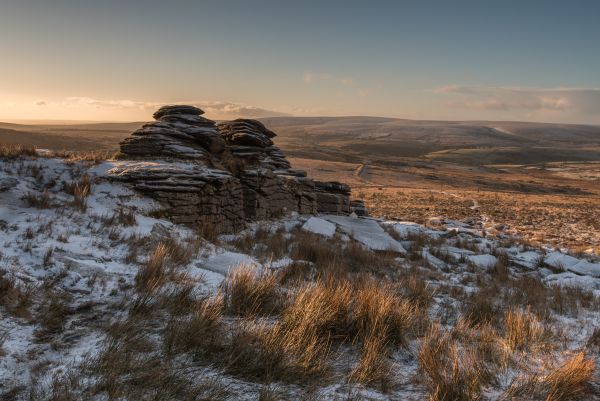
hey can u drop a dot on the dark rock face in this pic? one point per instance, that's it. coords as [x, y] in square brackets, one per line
[180, 132]
[177, 109]
[359, 208]
[332, 197]
[223, 174]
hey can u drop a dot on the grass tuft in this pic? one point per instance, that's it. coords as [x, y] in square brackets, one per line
[248, 291]
[523, 329]
[570, 380]
[8, 151]
[453, 372]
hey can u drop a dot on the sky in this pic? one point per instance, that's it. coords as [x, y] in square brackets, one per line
[112, 60]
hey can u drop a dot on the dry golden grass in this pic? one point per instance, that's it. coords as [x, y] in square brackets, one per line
[452, 371]
[374, 367]
[258, 352]
[14, 151]
[41, 201]
[337, 258]
[200, 332]
[120, 217]
[154, 272]
[569, 380]
[325, 313]
[487, 343]
[317, 315]
[538, 218]
[162, 264]
[416, 290]
[312, 248]
[207, 230]
[299, 345]
[126, 368]
[248, 291]
[377, 306]
[523, 329]
[80, 189]
[16, 299]
[295, 273]
[90, 156]
[481, 307]
[52, 318]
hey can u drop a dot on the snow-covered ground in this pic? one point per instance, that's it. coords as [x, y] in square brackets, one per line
[55, 249]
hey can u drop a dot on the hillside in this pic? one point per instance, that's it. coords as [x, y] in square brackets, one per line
[78, 137]
[391, 141]
[102, 298]
[386, 141]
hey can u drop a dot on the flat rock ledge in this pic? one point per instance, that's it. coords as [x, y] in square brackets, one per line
[221, 174]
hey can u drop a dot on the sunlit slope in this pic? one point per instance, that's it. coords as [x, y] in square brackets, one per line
[365, 139]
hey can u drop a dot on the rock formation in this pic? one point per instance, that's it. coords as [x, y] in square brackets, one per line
[222, 174]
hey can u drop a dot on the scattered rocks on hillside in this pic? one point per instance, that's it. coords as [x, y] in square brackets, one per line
[223, 174]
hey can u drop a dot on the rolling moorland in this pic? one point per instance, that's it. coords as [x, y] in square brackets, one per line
[479, 280]
[533, 179]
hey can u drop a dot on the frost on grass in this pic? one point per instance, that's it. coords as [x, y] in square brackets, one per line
[99, 300]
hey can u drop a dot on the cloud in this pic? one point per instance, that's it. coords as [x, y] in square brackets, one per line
[310, 77]
[75, 101]
[213, 109]
[40, 103]
[239, 110]
[566, 101]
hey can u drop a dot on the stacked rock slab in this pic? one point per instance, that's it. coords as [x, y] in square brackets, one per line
[222, 174]
[271, 188]
[332, 197]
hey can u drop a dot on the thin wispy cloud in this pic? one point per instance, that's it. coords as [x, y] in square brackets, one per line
[214, 109]
[580, 101]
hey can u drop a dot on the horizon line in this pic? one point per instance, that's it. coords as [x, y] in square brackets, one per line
[42, 122]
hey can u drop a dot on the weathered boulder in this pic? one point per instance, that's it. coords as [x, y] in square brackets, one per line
[224, 174]
[179, 132]
[332, 197]
[358, 207]
[246, 132]
[190, 193]
[177, 109]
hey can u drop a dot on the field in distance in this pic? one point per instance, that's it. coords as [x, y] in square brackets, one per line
[542, 180]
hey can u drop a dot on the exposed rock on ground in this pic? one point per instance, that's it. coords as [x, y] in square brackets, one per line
[222, 174]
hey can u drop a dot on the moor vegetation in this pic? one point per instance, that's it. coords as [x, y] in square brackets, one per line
[315, 318]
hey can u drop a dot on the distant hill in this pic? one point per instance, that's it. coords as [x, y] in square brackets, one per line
[389, 141]
[96, 136]
[378, 140]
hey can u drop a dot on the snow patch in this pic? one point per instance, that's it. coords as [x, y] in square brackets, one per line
[224, 262]
[368, 232]
[319, 226]
[586, 268]
[569, 279]
[559, 260]
[483, 261]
